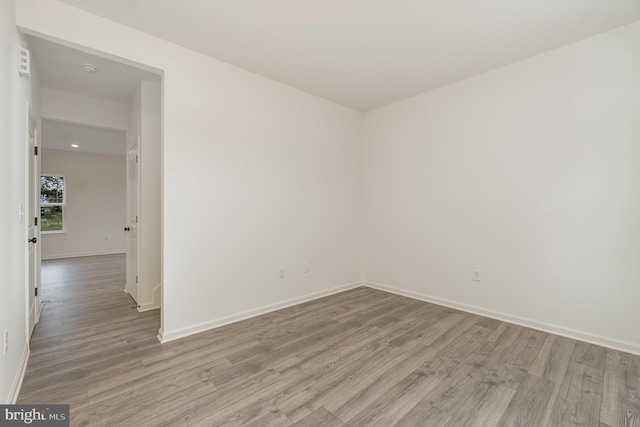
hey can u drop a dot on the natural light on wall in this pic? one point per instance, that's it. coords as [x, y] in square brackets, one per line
[52, 200]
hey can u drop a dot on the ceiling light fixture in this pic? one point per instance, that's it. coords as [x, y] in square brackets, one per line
[89, 68]
[75, 145]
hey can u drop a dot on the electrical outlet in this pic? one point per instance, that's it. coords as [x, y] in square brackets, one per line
[476, 275]
[6, 343]
[281, 273]
[307, 267]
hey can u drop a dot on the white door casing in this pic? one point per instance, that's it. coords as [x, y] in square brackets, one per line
[133, 217]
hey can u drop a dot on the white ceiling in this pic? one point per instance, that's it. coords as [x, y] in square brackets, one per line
[368, 53]
[60, 135]
[60, 67]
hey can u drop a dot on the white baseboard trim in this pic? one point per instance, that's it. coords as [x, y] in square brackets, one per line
[160, 335]
[39, 311]
[148, 307]
[166, 336]
[625, 346]
[156, 294]
[17, 382]
[154, 304]
[83, 254]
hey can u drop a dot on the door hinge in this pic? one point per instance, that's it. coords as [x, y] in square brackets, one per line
[136, 158]
[35, 221]
[136, 219]
[36, 291]
[136, 279]
[35, 150]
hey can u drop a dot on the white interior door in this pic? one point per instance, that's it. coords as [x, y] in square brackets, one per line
[133, 203]
[33, 227]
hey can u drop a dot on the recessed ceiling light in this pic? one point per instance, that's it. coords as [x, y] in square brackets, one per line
[75, 145]
[89, 68]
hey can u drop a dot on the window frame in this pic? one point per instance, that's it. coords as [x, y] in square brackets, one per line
[62, 205]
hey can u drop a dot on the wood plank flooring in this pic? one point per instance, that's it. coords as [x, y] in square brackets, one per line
[359, 358]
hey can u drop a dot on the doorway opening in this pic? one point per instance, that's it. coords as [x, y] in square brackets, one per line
[91, 107]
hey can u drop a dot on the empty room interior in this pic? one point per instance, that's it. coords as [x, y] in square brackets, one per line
[321, 213]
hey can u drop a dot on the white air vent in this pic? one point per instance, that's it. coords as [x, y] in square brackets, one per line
[24, 66]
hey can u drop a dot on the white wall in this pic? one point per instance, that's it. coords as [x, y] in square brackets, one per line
[69, 107]
[257, 175]
[95, 204]
[15, 91]
[529, 173]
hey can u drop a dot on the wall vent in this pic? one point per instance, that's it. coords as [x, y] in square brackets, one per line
[24, 64]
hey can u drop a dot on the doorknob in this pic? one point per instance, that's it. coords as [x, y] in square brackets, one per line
[127, 228]
[34, 240]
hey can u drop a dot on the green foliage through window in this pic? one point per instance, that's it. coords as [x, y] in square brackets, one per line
[52, 202]
[51, 218]
[51, 189]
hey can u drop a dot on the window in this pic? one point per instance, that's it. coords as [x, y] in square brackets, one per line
[52, 200]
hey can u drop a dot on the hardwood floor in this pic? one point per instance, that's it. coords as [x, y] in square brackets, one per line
[359, 358]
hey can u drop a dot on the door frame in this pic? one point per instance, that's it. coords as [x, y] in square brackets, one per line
[161, 74]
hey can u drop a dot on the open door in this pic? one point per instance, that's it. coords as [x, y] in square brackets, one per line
[33, 226]
[133, 203]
